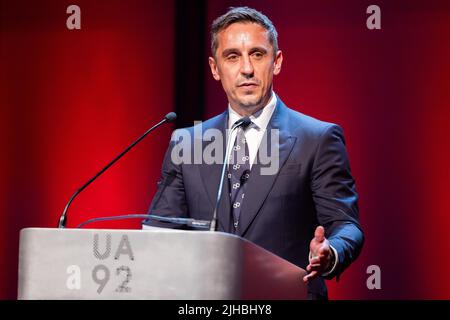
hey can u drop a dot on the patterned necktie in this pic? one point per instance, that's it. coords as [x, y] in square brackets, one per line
[238, 173]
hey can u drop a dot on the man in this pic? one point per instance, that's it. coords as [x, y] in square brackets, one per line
[310, 194]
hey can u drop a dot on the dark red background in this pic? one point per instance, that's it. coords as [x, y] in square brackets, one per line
[71, 100]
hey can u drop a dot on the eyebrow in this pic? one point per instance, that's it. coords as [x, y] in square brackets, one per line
[261, 49]
[226, 52]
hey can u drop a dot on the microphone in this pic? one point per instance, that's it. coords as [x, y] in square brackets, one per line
[243, 122]
[170, 117]
[198, 224]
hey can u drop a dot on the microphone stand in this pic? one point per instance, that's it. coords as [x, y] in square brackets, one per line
[171, 116]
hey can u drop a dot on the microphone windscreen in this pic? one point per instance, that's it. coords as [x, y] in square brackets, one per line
[171, 116]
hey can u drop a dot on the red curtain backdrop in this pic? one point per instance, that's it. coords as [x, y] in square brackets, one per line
[70, 100]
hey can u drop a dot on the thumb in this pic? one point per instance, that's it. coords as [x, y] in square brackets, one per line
[319, 234]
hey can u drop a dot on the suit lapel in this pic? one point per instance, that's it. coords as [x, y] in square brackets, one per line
[259, 185]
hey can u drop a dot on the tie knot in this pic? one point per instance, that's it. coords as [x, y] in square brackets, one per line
[242, 123]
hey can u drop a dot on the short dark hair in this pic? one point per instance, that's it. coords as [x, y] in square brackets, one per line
[243, 14]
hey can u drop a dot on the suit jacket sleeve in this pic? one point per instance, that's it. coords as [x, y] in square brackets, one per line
[336, 199]
[170, 198]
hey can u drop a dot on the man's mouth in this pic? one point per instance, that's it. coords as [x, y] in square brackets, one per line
[248, 84]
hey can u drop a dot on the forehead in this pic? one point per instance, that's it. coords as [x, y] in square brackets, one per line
[243, 34]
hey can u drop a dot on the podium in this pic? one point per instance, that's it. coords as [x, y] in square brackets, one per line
[151, 264]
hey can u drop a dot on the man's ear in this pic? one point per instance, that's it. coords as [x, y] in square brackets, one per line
[277, 63]
[214, 69]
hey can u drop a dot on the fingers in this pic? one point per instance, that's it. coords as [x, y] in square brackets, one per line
[313, 267]
[319, 238]
[316, 267]
[324, 251]
[319, 234]
[320, 249]
[310, 276]
[316, 264]
[316, 260]
[317, 241]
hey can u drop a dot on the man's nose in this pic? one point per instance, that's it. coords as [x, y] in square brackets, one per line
[247, 67]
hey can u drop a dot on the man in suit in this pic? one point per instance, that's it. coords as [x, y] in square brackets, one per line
[302, 205]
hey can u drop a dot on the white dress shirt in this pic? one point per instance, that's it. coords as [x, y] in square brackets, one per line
[255, 132]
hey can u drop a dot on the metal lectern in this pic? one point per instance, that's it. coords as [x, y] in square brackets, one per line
[151, 264]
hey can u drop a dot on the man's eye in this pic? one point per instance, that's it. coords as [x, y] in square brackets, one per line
[232, 57]
[257, 55]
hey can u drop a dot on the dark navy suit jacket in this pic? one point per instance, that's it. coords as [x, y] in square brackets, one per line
[280, 212]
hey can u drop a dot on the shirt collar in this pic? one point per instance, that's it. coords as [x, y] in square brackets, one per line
[260, 119]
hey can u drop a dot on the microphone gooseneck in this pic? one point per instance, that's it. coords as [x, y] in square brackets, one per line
[170, 117]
